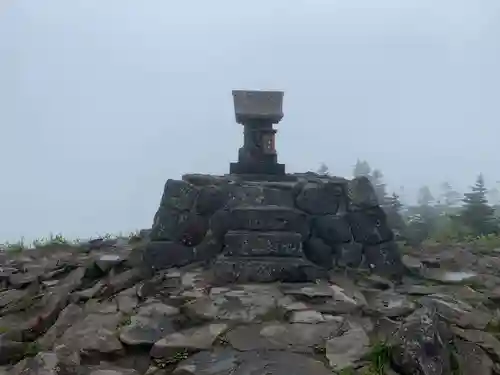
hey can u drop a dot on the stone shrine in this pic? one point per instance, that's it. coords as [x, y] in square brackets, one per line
[257, 111]
[258, 224]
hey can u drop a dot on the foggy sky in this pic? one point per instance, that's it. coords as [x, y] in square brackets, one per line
[102, 100]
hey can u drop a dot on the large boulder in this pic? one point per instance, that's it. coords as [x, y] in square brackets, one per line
[320, 198]
[421, 345]
[333, 229]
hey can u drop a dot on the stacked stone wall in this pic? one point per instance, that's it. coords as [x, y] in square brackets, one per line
[339, 221]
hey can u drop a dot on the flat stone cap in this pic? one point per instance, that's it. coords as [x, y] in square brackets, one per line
[252, 105]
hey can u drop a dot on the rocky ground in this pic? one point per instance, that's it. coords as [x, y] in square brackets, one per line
[92, 310]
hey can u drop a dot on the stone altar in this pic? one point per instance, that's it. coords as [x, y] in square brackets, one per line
[258, 224]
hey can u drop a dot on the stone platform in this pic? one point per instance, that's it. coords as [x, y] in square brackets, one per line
[293, 229]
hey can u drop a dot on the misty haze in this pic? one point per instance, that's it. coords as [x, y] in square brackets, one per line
[296, 187]
[102, 101]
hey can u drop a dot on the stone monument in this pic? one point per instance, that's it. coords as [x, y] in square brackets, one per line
[257, 111]
[258, 224]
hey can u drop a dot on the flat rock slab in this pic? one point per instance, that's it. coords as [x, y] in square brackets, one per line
[42, 363]
[111, 370]
[97, 333]
[456, 311]
[309, 316]
[266, 270]
[193, 339]
[449, 277]
[485, 340]
[122, 281]
[326, 298]
[151, 323]
[68, 317]
[107, 261]
[389, 304]
[11, 296]
[231, 362]
[293, 337]
[346, 349]
[241, 303]
[43, 313]
[472, 360]
[252, 243]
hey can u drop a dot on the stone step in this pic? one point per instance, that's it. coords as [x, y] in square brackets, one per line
[253, 243]
[269, 218]
[266, 269]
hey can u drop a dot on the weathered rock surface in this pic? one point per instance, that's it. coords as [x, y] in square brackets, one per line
[227, 361]
[94, 312]
[347, 348]
[152, 322]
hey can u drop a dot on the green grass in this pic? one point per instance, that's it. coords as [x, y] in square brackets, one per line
[379, 357]
[125, 321]
[58, 240]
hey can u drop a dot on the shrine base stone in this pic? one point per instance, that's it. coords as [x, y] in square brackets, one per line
[293, 228]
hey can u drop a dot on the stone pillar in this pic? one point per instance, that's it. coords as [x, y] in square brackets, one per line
[257, 111]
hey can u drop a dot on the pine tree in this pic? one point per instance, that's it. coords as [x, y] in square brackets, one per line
[392, 208]
[362, 168]
[425, 197]
[323, 169]
[394, 202]
[477, 214]
[426, 214]
[450, 197]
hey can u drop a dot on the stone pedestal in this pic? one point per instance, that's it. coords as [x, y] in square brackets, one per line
[265, 245]
[257, 111]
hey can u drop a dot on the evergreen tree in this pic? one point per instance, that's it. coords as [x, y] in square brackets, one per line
[323, 169]
[450, 197]
[425, 197]
[425, 215]
[394, 202]
[477, 215]
[361, 168]
[392, 208]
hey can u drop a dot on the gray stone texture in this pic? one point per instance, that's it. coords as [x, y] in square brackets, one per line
[266, 269]
[258, 105]
[253, 243]
[256, 230]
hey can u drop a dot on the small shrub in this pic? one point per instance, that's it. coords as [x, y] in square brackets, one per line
[14, 247]
[179, 356]
[379, 357]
